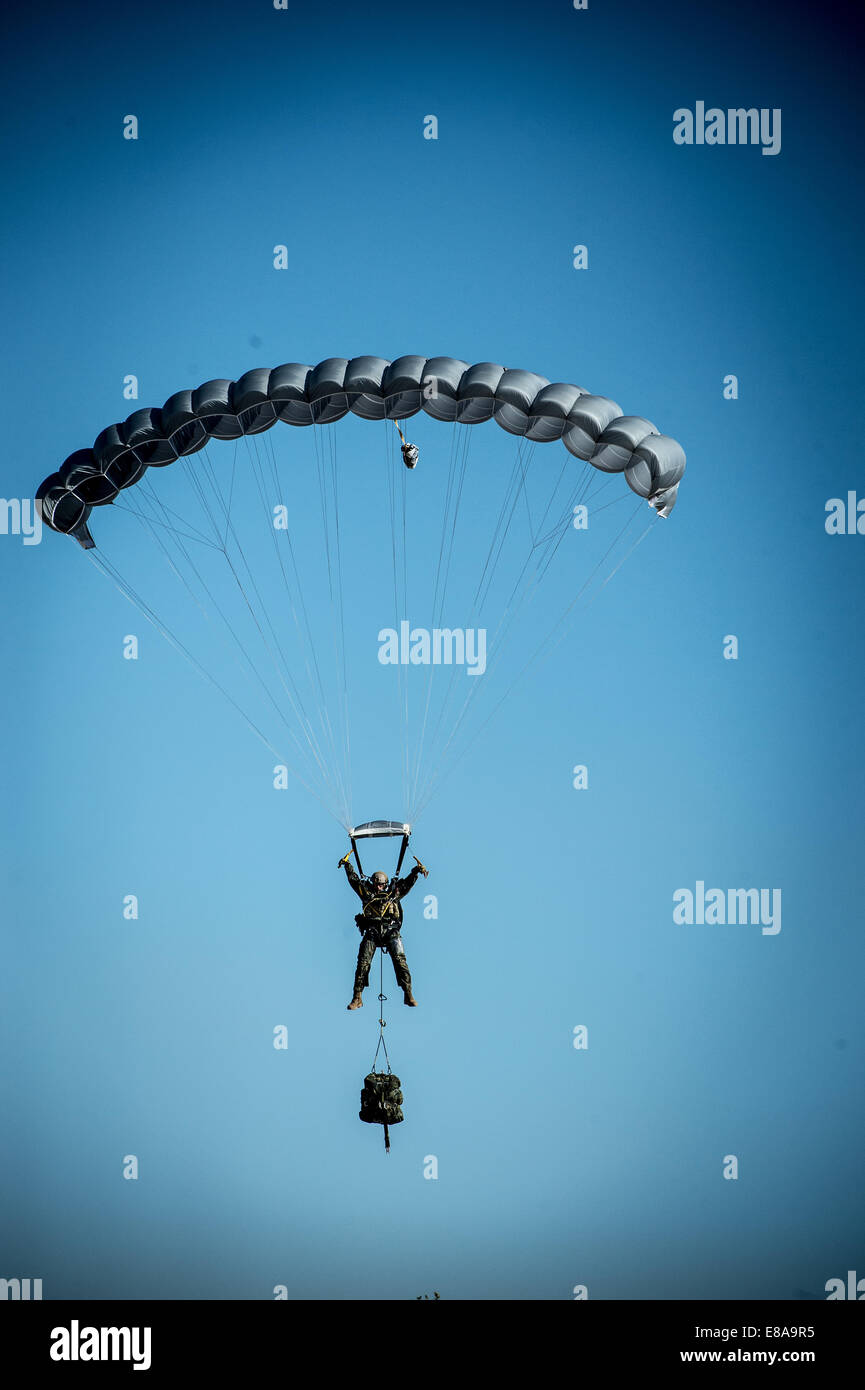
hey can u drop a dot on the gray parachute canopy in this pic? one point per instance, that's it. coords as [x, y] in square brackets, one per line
[592, 428]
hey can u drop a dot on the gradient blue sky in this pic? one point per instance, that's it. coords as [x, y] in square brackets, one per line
[556, 1167]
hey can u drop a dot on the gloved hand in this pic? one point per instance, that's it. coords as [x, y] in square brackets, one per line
[344, 860]
[423, 870]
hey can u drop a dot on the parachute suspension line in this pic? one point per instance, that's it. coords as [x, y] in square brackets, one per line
[521, 468]
[440, 775]
[403, 478]
[403, 485]
[516, 484]
[614, 502]
[652, 524]
[307, 643]
[303, 718]
[281, 672]
[231, 492]
[326, 469]
[513, 493]
[110, 571]
[582, 590]
[461, 476]
[342, 646]
[548, 544]
[142, 489]
[457, 467]
[577, 498]
[525, 493]
[280, 666]
[565, 463]
[598, 490]
[210, 473]
[456, 440]
[401, 574]
[552, 541]
[257, 469]
[148, 522]
[618, 565]
[400, 603]
[338, 610]
[481, 593]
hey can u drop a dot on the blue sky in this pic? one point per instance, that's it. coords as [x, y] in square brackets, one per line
[556, 1167]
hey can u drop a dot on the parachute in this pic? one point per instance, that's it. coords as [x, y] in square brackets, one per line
[258, 548]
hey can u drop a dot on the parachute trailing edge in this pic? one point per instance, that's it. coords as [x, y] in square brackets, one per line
[592, 428]
[380, 827]
[376, 829]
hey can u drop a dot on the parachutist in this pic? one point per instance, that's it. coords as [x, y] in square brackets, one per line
[379, 924]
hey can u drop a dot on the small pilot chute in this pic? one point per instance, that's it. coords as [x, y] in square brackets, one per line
[410, 452]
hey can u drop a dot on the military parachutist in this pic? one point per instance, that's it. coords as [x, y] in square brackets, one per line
[379, 924]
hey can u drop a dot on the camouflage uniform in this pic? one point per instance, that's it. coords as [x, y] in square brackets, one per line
[380, 922]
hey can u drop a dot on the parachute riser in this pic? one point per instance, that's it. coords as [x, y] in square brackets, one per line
[357, 857]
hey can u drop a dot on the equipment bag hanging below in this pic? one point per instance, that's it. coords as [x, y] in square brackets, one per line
[380, 1101]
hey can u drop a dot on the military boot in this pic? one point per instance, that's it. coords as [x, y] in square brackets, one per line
[357, 1001]
[408, 997]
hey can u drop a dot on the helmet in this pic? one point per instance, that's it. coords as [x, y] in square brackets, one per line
[379, 880]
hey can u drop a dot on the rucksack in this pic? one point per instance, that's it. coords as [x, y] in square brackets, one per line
[380, 1101]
